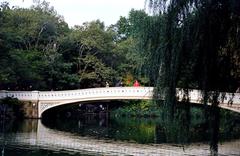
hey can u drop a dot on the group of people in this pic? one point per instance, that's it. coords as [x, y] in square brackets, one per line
[120, 84]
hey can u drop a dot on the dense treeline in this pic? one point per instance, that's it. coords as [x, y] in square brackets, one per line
[11, 108]
[193, 44]
[38, 51]
[187, 44]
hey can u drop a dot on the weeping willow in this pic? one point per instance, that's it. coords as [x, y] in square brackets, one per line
[192, 44]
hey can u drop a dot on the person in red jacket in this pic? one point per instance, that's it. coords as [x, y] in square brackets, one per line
[136, 84]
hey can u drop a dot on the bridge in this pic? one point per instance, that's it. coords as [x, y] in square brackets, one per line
[37, 102]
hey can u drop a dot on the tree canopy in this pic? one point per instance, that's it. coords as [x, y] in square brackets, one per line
[195, 44]
[180, 44]
[39, 51]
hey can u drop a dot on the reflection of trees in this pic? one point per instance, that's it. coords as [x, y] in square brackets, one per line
[214, 120]
[29, 125]
[183, 130]
[9, 126]
[88, 125]
[229, 125]
[221, 125]
[192, 124]
[137, 130]
[189, 124]
[177, 128]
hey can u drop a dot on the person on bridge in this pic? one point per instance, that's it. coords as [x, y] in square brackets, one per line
[107, 84]
[119, 84]
[136, 83]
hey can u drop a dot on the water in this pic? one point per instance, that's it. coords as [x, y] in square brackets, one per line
[188, 134]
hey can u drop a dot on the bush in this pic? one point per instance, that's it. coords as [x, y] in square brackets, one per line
[11, 108]
[139, 108]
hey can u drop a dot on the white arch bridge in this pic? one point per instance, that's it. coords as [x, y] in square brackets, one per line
[37, 102]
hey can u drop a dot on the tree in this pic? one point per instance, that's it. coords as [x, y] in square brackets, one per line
[28, 38]
[189, 46]
[90, 50]
[130, 56]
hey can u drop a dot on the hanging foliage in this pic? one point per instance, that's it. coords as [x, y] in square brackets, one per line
[193, 44]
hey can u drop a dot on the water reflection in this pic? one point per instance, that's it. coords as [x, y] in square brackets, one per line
[190, 132]
[214, 125]
[188, 126]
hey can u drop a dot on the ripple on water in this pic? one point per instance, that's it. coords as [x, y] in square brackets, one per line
[63, 142]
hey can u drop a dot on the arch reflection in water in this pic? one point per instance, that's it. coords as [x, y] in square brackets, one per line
[124, 136]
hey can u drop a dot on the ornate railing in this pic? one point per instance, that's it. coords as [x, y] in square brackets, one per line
[116, 92]
[141, 92]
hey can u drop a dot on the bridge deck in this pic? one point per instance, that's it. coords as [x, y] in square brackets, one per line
[49, 99]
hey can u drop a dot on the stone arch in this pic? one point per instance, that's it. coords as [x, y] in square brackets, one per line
[48, 105]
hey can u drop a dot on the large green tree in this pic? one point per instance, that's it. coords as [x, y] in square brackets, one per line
[28, 40]
[90, 50]
[130, 55]
[194, 44]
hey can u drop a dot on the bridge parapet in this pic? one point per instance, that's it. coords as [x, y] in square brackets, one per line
[138, 92]
[21, 95]
[45, 100]
[144, 92]
[224, 97]
[124, 92]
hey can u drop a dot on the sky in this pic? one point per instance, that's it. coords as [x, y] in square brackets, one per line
[76, 12]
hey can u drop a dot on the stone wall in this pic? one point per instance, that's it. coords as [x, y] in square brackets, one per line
[30, 109]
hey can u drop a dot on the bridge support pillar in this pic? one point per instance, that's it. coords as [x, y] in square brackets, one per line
[30, 109]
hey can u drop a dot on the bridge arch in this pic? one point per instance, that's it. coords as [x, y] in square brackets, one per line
[83, 106]
[94, 94]
[45, 100]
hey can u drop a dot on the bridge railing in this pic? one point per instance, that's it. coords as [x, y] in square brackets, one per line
[97, 93]
[21, 95]
[224, 98]
[144, 92]
[118, 92]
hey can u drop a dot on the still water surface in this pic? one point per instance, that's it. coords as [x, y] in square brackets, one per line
[188, 134]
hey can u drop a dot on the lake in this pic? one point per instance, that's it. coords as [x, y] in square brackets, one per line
[189, 133]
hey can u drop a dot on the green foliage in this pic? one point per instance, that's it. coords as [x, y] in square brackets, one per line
[95, 73]
[129, 59]
[190, 45]
[39, 51]
[11, 108]
[92, 47]
[128, 36]
[138, 109]
[187, 44]
[28, 44]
